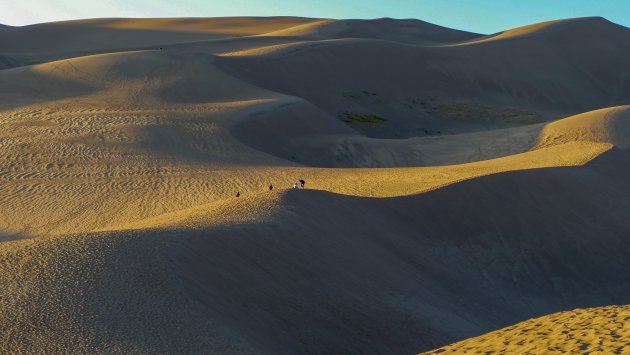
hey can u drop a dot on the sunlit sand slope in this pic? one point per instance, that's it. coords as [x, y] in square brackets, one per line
[601, 330]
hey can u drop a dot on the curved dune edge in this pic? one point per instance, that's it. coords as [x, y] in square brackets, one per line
[375, 183]
[602, 330]
[320, 27]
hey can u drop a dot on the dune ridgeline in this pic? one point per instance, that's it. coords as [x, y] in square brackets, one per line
[460, 189]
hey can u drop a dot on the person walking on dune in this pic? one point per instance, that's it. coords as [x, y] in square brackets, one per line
[270, 187]
[302, 182]
[238, 193]
[295, 186]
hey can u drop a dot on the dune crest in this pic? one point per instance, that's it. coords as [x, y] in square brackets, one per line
[552, 28]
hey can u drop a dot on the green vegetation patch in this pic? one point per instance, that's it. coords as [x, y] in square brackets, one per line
[471, 111]
[361, 96]
[351, 117]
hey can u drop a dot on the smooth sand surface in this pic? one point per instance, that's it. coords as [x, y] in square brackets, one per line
[121, 231]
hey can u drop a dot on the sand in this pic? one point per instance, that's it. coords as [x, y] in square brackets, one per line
[602, 330]
[120, 165]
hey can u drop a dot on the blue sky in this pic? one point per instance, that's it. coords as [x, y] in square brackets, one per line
[483, 16]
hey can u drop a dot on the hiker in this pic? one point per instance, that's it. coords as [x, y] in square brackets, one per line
[295, 186]
[302, 182]
[238, 193]
[270, 187]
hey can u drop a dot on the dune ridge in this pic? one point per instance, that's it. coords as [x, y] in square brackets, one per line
[551, 28]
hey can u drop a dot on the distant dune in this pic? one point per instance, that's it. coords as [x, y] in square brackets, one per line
[543, 76]
[456, 184]
[403, 31]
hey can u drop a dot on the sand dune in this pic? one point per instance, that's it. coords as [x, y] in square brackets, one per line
[600, 329]
[505, 268]
[503, 197]
[277, 284]
[110, 34]
[66, 39]
[405, 31]
[580, 29]
[169, 130]
[480, 86]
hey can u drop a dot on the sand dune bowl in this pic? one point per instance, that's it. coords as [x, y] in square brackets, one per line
[460, 189]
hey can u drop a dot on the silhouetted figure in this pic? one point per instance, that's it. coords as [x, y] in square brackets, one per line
[270, 187]
[302, 182]
[238, 193]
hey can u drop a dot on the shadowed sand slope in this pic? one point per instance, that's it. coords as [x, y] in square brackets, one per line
[595, 330]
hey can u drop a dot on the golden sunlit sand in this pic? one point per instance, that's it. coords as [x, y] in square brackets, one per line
[422, 222]
[601, 330]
